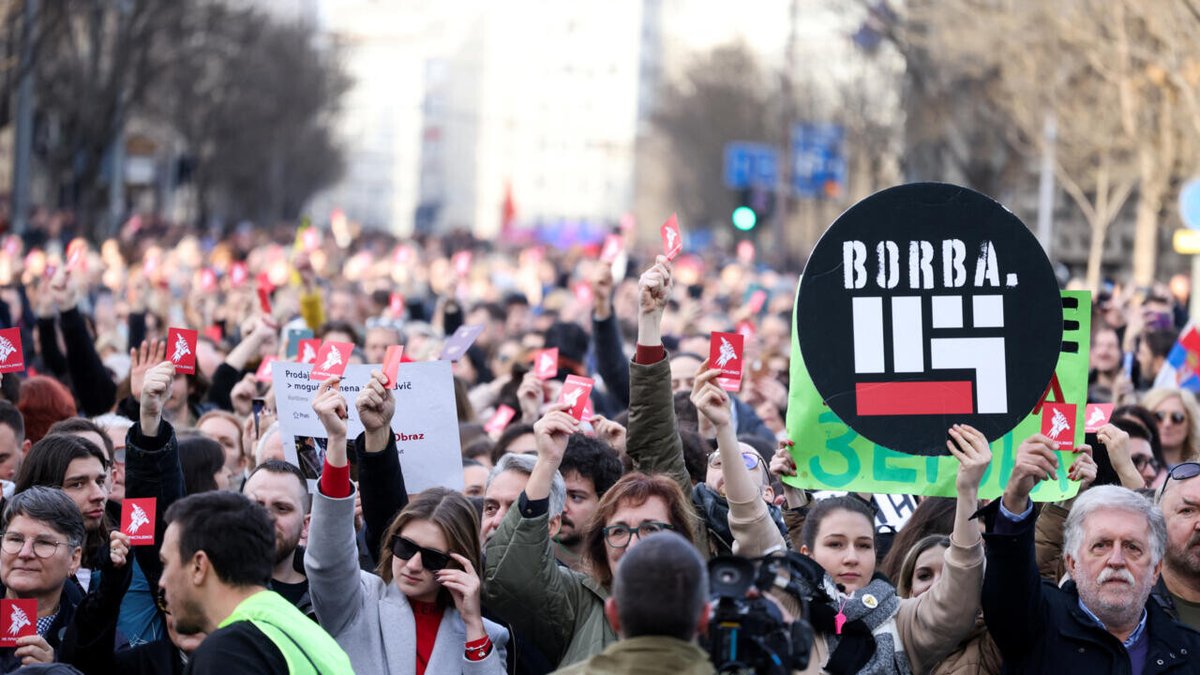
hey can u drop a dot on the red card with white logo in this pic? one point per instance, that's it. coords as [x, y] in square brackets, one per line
[331, 361]
[76, 254]
[499, 420]
[725, 354]
[306, 350]
[238, 273]
[391, 364]
[181, 346]
[137, 520]
[672, 240]
[1058, 422]
[583, 293]
[545, 364]
[208, 280]
[12, 354]
[1095, 416]
[746, 329]
[18, 619]
[575, 392]
[396, 305]
[757, 299]
[462, 263]
[612, 248]
[263, 374]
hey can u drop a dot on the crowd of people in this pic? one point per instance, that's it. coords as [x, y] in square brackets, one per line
[576, 545]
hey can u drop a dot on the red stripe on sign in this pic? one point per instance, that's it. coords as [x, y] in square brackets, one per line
[915, 398]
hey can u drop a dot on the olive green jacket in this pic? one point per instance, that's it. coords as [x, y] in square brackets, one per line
[646, 656]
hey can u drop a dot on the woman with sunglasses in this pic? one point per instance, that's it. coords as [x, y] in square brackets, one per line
[1178, 417]
[420, 612]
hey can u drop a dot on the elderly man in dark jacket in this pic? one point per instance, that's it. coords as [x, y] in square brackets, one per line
[1103, 620]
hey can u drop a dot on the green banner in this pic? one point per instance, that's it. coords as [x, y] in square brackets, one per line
[831, 456]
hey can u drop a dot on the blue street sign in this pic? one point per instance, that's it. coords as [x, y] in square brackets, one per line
[818, 166]
[750, 165]
[1189, 204]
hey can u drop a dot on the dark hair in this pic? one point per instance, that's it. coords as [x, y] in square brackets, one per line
[512, 433]
[909, 566]
[1143, 418]
[235, 533]
[592, 458]
[572, 342]
[450, 512]
[10, 388]
[44, 401]
[821, 510]
[50, 506]
[340, 327]
[280, 466]
[1160, 342]
[201, 458]
[48, 459]
[494, 311]
[11, 418]
[687, 418]
[80, 425]
[479, 447]
[660, 587]
[934, 515]
[695, 455]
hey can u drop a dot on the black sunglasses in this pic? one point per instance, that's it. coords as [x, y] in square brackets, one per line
[1176, 417]
[1180, 472]
[404, 549]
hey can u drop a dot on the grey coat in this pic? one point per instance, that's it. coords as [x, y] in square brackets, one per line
[370, 618]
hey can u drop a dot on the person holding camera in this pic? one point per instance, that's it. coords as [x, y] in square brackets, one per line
[659, 607]
[862, 624]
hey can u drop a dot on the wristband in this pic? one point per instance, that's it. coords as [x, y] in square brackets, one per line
[478, 650]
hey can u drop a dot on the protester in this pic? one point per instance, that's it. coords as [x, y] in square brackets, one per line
[421, 611]
[13, 444]
[217, 552]
[589, 468]
[1178, 417]
[1178, 591]
[282, 490]
[658, 608]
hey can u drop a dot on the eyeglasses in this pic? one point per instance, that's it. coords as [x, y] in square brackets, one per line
[750, 459]
[620, 536]
[404, 549]
[1175, 417]
[13, 544]
[119, 455]
[1142, 461]
[1180, 472]
[160, 601]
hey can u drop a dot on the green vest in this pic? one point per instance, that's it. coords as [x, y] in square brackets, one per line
[305, 645]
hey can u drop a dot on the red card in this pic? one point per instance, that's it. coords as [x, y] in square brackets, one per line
[263, 374]
[238, 273]
[499, 420]
[137, 520]
[306, 350]
[672, 240]
[1058, 422]
[576, 391]
[182, 345]
[396, 304]
[331, 360]
[745, 252]
[588, 411]
[612, 248]
[1095, 416]
[583, 292]
[214, 333]
[545, 364]
[208, 280]
[725, 354]
[264, 299]
[19, 619]
[757, 299]
[391, 364]
[746, 329]
[462, 263]
[75, 254]
[12, 354]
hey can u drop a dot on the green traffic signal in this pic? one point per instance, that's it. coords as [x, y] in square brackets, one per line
[744, 218]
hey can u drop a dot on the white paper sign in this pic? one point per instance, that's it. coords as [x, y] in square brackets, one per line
[425, 423]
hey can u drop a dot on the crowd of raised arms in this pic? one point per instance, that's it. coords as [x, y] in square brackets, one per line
[606, 542]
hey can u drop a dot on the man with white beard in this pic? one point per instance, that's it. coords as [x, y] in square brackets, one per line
[1102, 620]
[1179, 589]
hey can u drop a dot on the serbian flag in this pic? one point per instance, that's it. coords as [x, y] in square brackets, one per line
[1182, 368]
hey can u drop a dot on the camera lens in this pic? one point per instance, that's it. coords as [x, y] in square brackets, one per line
[730, 577]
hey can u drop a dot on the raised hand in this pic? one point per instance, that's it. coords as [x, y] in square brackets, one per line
[710, 400]
[156, 390]
[530, 395]
[141, 360]
[330, 408]
[1084, 468]
[602, 291]
[1036, 461]
[974, 454]
[782, 463]
[654, 287]
[243, 394]
[376, 406]
[552, 433]
[610, 432]
[118, 548]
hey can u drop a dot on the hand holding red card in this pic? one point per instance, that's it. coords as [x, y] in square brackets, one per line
[672, 240]
[1058, 423]
[545, 364]
[331, 360]
[12, 353]
[725, 353]
[181, 345]
[137, 520]
[306, 350]
[263, 374]
[391, 364]
[18, 619]
[575, 392]
[1095, 416]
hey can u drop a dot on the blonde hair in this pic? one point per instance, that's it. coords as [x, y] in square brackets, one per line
[1191, 442]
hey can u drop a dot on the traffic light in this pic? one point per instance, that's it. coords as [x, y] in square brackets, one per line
[755, 205]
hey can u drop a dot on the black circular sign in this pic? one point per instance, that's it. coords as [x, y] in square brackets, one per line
[927, 305]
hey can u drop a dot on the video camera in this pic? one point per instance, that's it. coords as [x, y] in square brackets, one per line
[750, 634]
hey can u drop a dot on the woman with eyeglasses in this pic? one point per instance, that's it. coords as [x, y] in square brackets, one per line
[1178, 417]
[420, 612]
